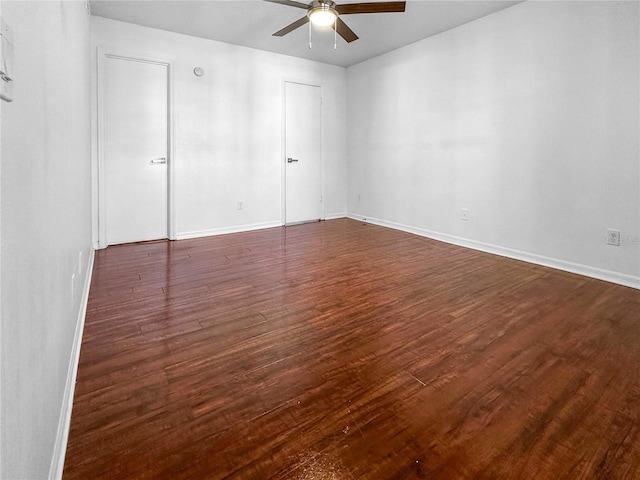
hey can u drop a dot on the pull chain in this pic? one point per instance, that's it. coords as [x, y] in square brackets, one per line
[335, 33]
[309, 35]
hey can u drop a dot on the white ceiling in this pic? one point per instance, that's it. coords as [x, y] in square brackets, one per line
[250, 23]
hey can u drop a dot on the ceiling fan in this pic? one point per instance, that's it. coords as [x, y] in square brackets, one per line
[327, 13]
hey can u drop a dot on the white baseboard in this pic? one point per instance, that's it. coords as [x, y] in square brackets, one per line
[585, 270]
[60, 447]
[334, 216]
[243, 228]
[225, 230]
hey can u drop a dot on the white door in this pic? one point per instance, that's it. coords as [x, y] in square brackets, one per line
[303, 178]
[135, 149]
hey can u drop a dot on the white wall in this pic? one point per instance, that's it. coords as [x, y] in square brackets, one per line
[46, 223]
[1, 382]
[228, 126]
[528, 117]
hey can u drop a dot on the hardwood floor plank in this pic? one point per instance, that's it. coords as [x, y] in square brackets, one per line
[345, 350]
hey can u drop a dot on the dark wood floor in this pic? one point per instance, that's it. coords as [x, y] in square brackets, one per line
[350, 351]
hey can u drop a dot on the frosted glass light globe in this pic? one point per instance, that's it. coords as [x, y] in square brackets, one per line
[322, 16]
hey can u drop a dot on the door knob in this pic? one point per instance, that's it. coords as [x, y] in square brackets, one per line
[291, 160]
[159, 161]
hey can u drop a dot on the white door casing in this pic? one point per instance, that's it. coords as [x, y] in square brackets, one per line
[303, 153]
[134, 149]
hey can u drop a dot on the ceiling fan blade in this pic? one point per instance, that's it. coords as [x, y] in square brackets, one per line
[290, 3]
[370, 7]
[291, 27]
[344, 31]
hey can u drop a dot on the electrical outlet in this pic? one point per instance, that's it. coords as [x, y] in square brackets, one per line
[240, 204]
[464, 214]
[613, 237]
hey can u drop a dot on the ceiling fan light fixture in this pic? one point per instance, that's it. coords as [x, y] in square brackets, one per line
[323, 15]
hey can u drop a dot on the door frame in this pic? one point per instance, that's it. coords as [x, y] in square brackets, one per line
[103, 53]
[283, 159]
